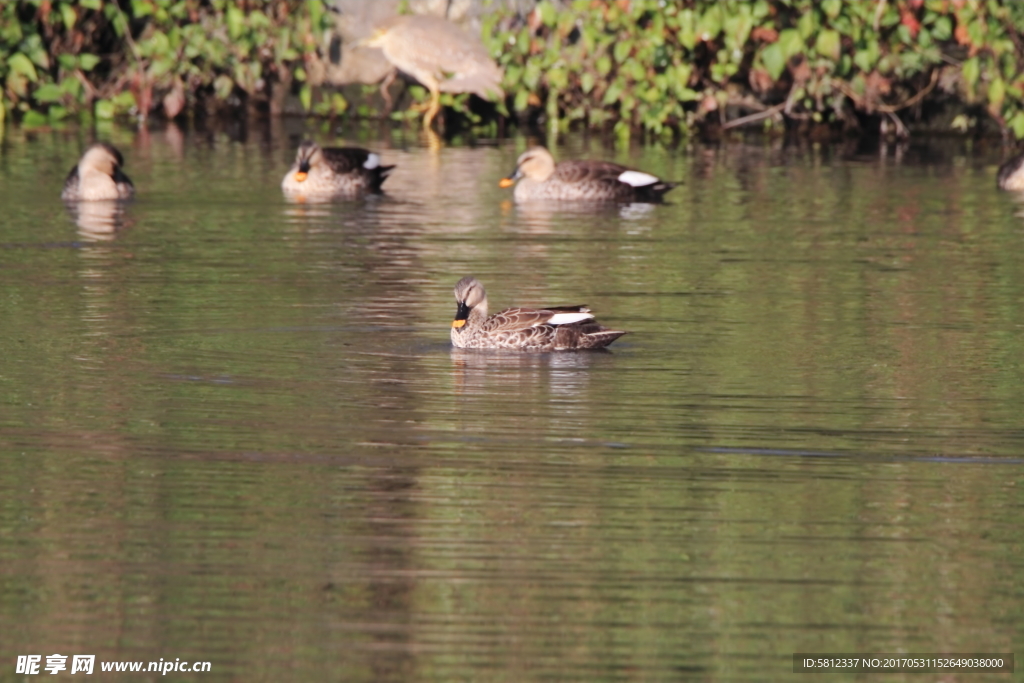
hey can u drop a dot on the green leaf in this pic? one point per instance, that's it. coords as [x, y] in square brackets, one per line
[586, 82]
[942, 29]
[807, 24]
[522, 100]
[68, 16]
[49, 92]
[612, 94]
[141, 8]
[236, 21]
[687, 29]
[34, 119]
[531, 76]
[91, 4]
[548, 14]
[72, 87]
[20, 64]
[996, 94]
[790, 43]
[123, 101]
[223, 86]
[774, 60]
[306, 96]
[710, 24]
[87, 62]
[557, 78]
[104, 109]
[621, 50]
[970, 70]
[828, 44]
[737, 30]
[1017, 125]
[831, 8]
[867, 58]
[338, 103]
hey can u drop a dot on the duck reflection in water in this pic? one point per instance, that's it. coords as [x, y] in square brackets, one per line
[518, 374]
[98, 221]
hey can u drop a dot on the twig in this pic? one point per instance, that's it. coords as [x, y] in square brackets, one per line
[755, 117]
[901, 130]
[844, 88]
[879, 11]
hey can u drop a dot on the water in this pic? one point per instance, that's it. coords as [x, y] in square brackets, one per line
[232, 428]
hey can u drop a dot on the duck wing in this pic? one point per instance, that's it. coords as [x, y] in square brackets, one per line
[513, 319]
[588, 171]
[357, 161]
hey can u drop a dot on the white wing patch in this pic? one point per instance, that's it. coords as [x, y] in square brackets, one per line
[566, 318]
[637, 178]
[372, 161]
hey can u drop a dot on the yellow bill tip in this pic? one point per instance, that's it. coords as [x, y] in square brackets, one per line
[300, 176]
[506, 182]
[458, 323]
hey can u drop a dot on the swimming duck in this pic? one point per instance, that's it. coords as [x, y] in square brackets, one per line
[561, 328]
[334, 171]
[1011, 174]
[541, 178]
[98, 176]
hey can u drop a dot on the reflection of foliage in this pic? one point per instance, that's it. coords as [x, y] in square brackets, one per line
[59, 56]
[665, 65]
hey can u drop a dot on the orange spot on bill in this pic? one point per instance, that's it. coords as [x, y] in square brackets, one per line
[506, 182]
[300, 176]
[458, 323]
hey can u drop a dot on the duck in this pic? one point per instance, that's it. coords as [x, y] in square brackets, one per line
[540, 178]
[97, 176]
[556, 328]
[334, 171]
[1011, 174]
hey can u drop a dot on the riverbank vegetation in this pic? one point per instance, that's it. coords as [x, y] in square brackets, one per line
[663, 67]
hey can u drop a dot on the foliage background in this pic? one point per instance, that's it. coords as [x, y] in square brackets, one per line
[660, 66]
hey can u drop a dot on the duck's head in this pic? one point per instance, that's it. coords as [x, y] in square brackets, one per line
[308, 156]
[469, 296]
[535, 163]
[101, 157]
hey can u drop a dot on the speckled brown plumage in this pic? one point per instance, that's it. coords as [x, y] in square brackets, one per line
[329, 171]
[97, 176]
[557, 328]
[540, 178]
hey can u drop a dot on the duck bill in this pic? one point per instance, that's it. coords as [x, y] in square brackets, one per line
[510, 180]
[461, 316]
[300, 176]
